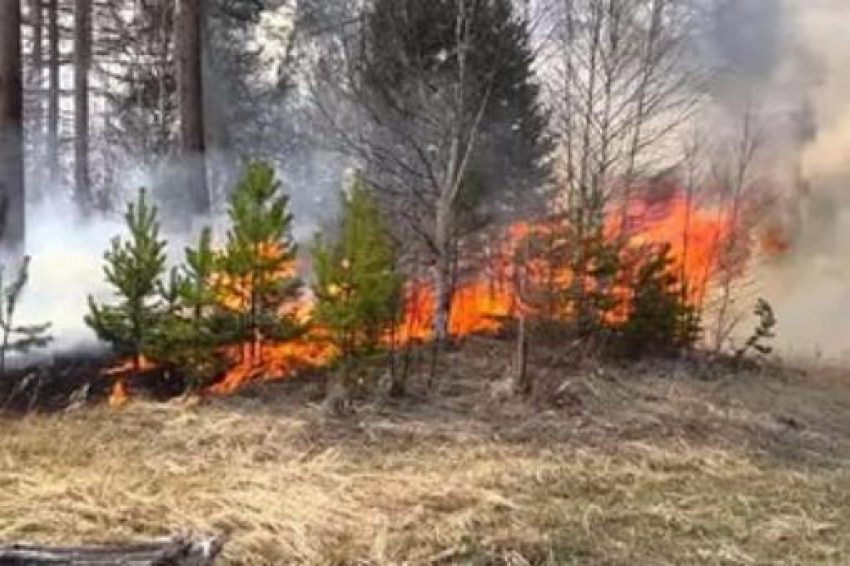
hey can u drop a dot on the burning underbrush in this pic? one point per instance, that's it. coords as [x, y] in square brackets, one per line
[615, 464]
[249, 306]
[524, 270]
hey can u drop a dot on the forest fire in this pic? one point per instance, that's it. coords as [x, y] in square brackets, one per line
[119, 394]
[275, 360]
[480, 303]
[695, 235]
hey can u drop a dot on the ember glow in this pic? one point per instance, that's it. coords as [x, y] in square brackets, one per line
[481, 303]
[120, 395]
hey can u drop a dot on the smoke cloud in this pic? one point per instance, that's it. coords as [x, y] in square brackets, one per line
[66, 254]
[790, 57]
[67, 249]
[806, 78]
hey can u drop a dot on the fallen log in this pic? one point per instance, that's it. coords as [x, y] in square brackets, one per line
[178, 551]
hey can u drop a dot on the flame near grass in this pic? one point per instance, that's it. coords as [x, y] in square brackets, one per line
[695, 236]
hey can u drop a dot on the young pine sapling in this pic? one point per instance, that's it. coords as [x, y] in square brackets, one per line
[357, 286]
[660, 321]
[133, 267]
[190, 338]
[258, 281]
[765, 331]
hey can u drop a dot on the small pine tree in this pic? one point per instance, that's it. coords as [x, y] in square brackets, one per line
[258, 262]
[579, 285]
[764, 332]
[189, 338]
[593, 294]
[134, 268]
[659, 320]
[17, 338]
[356, 284]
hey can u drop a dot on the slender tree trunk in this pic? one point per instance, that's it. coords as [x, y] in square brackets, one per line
[647, 73]
[12, 222]
[189, 26]
[442, 277]
[442, 288]
[588, 189]
[521, 378]
[521, 382]
[164, 74]
[82, 62]
[36, 79]
[53, 90]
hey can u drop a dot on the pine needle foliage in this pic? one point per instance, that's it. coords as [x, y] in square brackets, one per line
[578, 286]
[257, 265]
[190, 336]
[357, 286]
[18, 338]
[765, 331]
[660, 321]
[133, 268]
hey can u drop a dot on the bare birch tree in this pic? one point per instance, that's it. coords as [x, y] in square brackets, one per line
[35, 84]
[737, 175]
[423, 83]
[619, 83]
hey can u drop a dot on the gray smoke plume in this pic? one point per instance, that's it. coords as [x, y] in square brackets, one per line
[807, 77]
[790, 57]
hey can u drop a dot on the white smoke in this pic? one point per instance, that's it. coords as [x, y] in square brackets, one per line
[66, 267]
[811, 287]
[791, 56]
[66, 251]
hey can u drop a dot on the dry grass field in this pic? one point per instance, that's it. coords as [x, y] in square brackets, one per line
[646, 465]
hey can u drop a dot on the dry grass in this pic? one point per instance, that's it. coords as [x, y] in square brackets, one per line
[638, 471]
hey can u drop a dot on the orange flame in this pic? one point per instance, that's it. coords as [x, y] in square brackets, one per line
[119, 396]
[694, 234]
[278, 360]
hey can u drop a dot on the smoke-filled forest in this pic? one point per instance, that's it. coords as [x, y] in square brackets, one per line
[424, 282]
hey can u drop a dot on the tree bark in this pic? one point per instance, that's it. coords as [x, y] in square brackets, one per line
[36, 79]
[521, 382]
[442, 274]
[53, 89]
[521, 378]
[82, 63]
[192, 163]
[176, 552]
[12, 221]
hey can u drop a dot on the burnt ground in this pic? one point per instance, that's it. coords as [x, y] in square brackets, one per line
[76, 378]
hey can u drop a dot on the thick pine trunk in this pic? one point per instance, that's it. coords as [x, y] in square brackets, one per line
[192, 163]
[12, 221]
[82, 63]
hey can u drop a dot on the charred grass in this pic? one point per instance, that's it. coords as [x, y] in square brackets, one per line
[605, 465]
